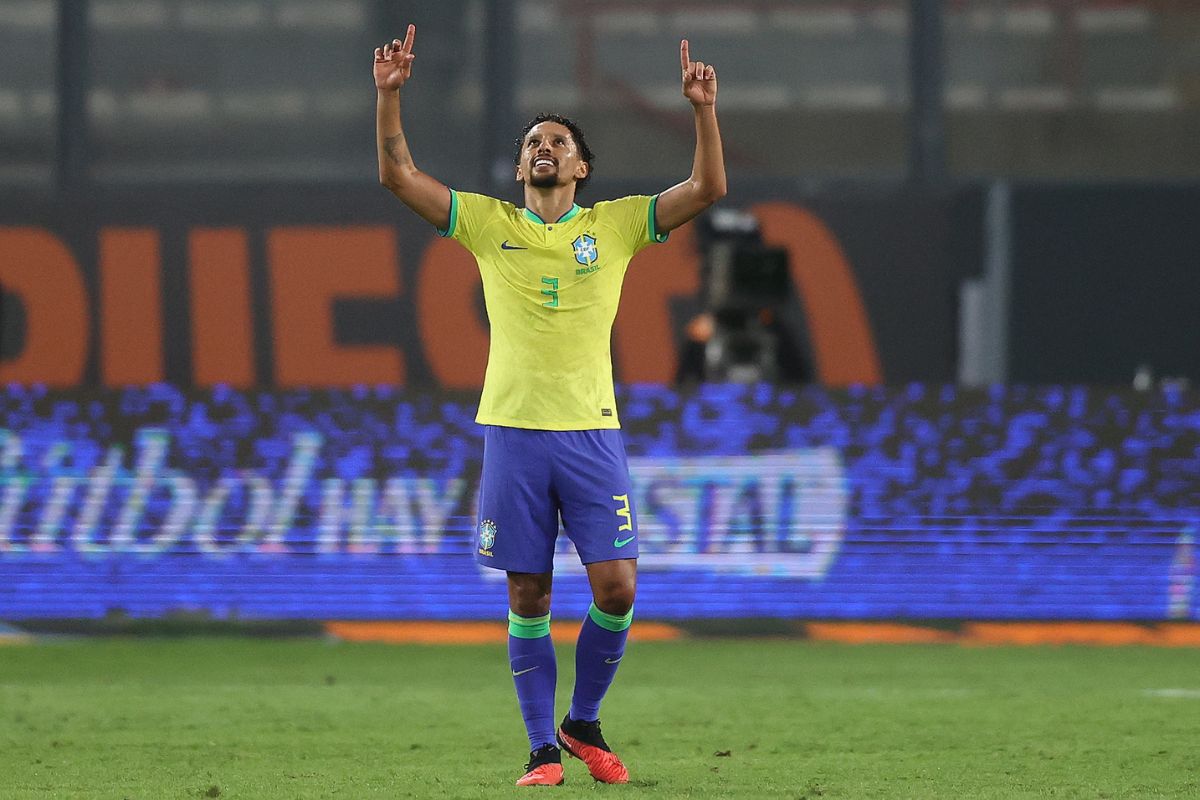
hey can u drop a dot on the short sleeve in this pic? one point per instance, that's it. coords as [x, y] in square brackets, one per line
[633, 216]
[468, 214]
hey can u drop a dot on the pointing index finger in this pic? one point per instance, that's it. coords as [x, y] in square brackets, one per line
[683, 54]
[410, 38]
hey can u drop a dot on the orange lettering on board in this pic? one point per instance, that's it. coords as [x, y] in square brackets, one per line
[38, 269]
[131, 328]
[311, 267]
[843, 345]
[222, 324]
[646, 349]
[455, 339]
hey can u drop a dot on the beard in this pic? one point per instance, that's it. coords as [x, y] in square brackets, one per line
[544, 180]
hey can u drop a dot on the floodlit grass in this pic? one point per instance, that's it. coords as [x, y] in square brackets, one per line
[241, 718]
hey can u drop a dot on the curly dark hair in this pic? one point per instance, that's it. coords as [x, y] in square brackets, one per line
[585, 152]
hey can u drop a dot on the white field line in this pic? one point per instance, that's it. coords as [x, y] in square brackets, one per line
[1173, 694]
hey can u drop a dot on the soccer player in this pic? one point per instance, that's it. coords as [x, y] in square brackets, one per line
[552, 274]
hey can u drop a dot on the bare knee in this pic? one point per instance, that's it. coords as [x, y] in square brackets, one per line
[614, 596]
[614, 584]
[529, 593]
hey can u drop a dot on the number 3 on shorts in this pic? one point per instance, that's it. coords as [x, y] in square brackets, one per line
[624, 512]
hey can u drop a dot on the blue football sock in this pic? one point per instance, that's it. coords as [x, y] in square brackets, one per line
[597, 656]
[535, 673]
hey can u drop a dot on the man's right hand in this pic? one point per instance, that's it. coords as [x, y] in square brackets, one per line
[393, 61]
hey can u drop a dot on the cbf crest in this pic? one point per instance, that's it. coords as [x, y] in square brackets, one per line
[487, 537]
[585, 250]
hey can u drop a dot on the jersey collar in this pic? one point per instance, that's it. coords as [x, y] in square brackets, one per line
[532, 217]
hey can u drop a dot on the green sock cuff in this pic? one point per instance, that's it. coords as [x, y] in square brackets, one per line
[528, 627]
[610, 621]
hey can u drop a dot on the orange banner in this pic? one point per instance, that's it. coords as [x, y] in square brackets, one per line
[267, 306]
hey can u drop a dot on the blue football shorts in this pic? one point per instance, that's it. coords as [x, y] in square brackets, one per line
[532, 477]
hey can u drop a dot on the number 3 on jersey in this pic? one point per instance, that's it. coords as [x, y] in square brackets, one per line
[551, 291]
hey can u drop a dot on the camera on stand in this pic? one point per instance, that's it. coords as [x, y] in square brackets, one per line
[745, 283]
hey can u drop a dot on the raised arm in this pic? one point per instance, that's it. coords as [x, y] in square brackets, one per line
[706, 184]
[428, 197]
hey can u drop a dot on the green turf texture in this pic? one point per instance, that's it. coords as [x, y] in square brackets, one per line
[245, 718]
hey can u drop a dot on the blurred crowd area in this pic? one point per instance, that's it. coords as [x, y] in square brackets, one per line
[264, 90]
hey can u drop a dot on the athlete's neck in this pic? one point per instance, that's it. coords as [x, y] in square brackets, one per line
[550, 203]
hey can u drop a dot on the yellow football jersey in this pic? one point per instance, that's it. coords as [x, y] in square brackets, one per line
[551, 290]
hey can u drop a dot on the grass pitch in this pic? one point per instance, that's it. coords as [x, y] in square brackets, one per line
[240, 718]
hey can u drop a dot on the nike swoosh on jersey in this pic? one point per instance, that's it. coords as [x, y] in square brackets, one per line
[506, 246]
[618, 542]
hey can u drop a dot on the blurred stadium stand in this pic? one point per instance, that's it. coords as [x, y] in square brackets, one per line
[277, 89]
[27, 107]
[242, 90]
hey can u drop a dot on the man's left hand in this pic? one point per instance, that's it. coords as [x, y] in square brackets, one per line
[699, 79]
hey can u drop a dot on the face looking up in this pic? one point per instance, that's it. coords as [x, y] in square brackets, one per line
[550, 157]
